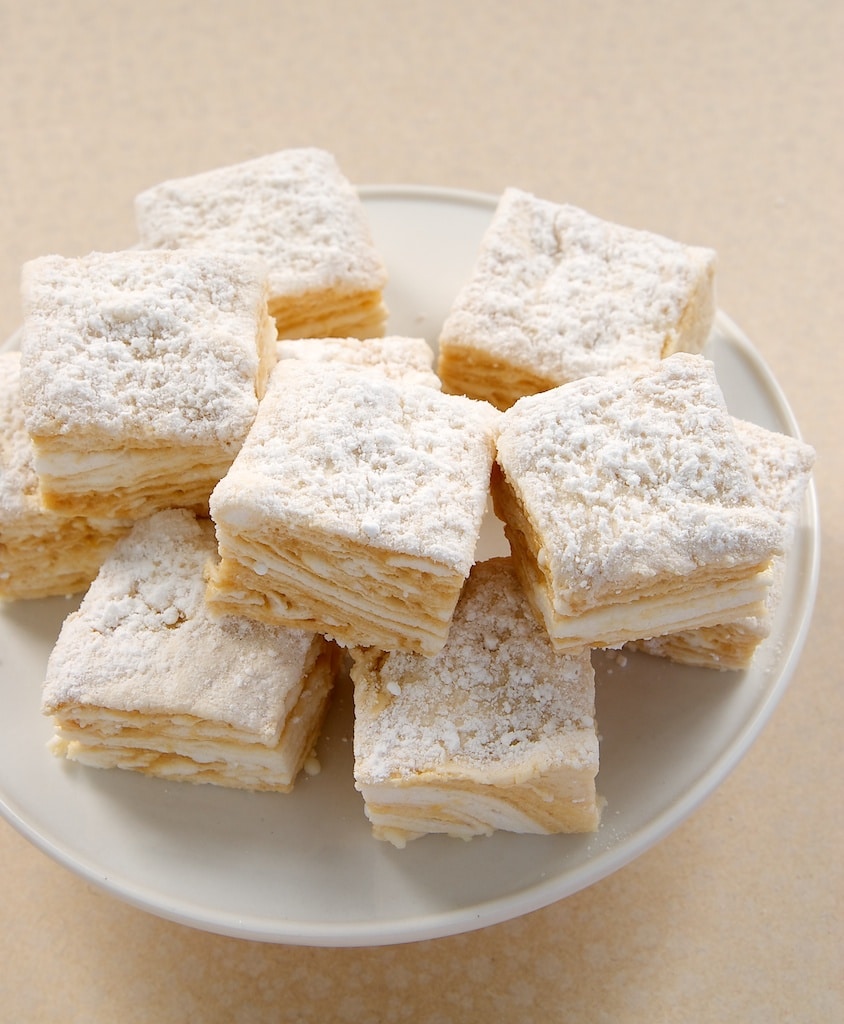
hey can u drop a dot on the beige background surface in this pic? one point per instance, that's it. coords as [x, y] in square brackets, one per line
[718, 123]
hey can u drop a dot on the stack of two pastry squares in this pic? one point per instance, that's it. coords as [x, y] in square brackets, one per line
[142, 369]
[140, 376]
[42, 553]
[557, 295]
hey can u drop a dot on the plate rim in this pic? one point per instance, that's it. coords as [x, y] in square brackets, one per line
[526, 900]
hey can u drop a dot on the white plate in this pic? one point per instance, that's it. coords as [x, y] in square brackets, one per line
[303, 868]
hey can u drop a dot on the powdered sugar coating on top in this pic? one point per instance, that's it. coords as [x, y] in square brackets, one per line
[781, 466]
[143, 640]
[399, 467]
[627, 480]
[294, 208]
[395, 356]
[142, 347]
[568, 294]
[497, 697]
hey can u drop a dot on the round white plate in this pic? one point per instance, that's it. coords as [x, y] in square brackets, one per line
[303, 868]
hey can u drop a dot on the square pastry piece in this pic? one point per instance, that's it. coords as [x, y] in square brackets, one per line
[496, 732]
[630, 506]
[781, 466]
[42, 553]
[143, 678]
[396, 357]
[140, 376]
[298, 212]
[557, 294]
[354, 507]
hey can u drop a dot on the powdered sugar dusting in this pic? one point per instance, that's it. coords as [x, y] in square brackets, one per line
[294, 209]
[781, 466]
[399, 466]
[627, 479]
[396, 357]
[496, 696]
[142, 639]
[568, 294]
[146, 347]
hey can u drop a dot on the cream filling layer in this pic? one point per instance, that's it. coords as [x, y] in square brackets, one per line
[561, 801]
[127, 482]
[654, 615]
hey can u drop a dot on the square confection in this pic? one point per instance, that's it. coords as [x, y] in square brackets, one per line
[42, 553]
[495, 732]
[143, 678]
[354, 507]
[396, 357]
[557, 294]
[298, 212]
[781, 466]
[141, 374]
[630, 506]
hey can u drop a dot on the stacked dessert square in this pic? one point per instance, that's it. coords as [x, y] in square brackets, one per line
[251, 508]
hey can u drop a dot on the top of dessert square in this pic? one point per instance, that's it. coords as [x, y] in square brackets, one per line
[399, 467]
[294, 208]
[570, 294]
[627, 480]
[143, 346]
[395, 356]
[143, 639]
[781, 466]
[496, 699]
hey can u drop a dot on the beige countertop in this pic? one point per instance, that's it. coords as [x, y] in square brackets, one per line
[716, 123]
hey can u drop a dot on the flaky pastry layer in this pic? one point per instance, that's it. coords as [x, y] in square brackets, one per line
[182, 748]
[284, 577]
[330, 315]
